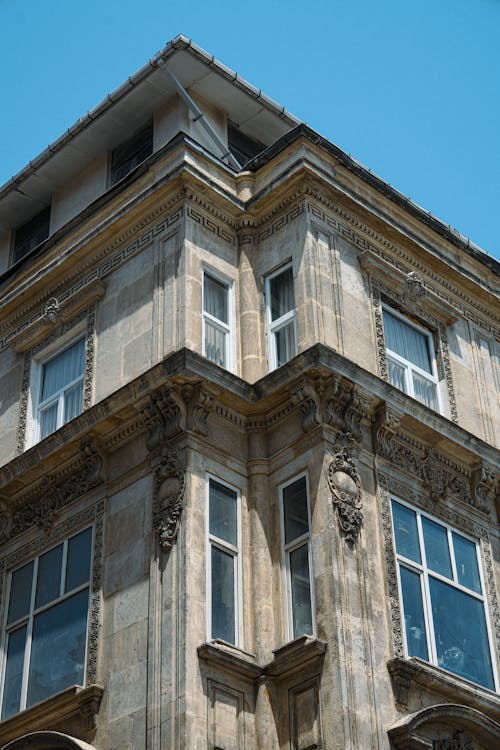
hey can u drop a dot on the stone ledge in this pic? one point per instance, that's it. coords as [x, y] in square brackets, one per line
[224, 656]
[408, 674]
[75, 708]
[295, 655]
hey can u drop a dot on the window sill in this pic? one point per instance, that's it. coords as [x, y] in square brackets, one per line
[410, 675]
[230, 659]
[72, 711]
[295, 655]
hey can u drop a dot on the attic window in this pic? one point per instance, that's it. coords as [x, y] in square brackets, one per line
[242, 146]
[31, 234]
[131, 153]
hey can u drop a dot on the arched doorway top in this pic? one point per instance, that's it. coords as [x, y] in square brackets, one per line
[48, 741]
[456, 718]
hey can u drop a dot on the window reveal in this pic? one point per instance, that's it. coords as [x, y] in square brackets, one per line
[281, 325]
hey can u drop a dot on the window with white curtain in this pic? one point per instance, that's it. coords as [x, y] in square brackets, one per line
[442, 595]
[223, 562]
[281, 324]
[295, 524]
[217, 314]
[60, 395]
[411, 359]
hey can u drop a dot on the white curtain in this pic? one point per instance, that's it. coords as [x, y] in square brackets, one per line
[63, 369]
[407, 341]
[282, 297]
[215, 298]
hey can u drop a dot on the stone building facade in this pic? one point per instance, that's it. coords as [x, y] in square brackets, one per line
[249, 418]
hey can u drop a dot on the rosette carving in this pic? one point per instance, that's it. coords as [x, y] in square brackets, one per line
[345, 486]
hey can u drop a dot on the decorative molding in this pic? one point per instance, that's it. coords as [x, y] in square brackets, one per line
[345, 486]
[168, 493]
[484, 487]
[210, 224]
[391, 570]
[95, 603]
[415, 290]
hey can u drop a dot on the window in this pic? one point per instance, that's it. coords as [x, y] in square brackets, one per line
[216, 320]
[442, 596]
[131, 153]
[45, 634]
[31, 234]
[61, 388]
[223, 566]
[281, 317]
[242, 146]
[297, 557]
[411, 358]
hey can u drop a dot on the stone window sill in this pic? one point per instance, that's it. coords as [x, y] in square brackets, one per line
[73, 710]
[295, 655]
[230, 658]
[412, 674]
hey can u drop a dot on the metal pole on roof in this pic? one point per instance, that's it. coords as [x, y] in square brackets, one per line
[199, 116]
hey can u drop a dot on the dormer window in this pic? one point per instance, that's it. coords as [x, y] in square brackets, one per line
[131, 153]
[31, 234]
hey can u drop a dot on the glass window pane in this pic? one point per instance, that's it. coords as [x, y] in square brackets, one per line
[78, 560]
[215, 298]
[20, 592]
[466, 562]
[58, 648]
[413, 612]
[13, 672]
[281, 291]
[424, 391]
[407, 341]
[436, 547]
[223, 513]
[301, 592]
[73, 398]
[285, 344]
[461, 635]
[405, 530]
[62, 369]
[48, 585]
[215, 344]
[295, 510]
[396, 374]
[223, 613]
[48, 421]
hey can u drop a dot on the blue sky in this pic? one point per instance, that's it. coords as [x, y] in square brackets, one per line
[412, 90]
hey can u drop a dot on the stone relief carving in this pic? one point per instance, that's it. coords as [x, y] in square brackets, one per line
[414, 288]
[169, 482]
[95, 601]
[345, 486]
[484, 486]
[392, 578]
[51, 312]
[458, 741]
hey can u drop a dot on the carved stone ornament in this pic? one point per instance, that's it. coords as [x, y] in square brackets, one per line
[5, 522]
[414, 288]
[345, 486]
[51, 311]
[169, 482]
[458, 741]
[484, 487]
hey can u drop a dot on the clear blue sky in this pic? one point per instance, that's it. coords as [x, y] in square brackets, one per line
[411, 89]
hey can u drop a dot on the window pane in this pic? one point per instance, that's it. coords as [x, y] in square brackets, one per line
[62, 369]
[223, 615]
[407, 341]
[301, 591]
[405, 530]
[215, 344]
[285, 343]
[48, 585]
[223, 513]
[215, 298]
[413, 613]
[73, 402]
[14, 672]
[20, 592]
[461, 635]
[58, 648]
[424, 391]
[78, 561]
[295, 510]
[466, 562]
[48, 421]
[396, 374]
[436, 547]
[282, 297]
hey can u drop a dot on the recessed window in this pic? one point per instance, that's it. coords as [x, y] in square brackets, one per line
[442, 596]
[131, 153]
[297, 557]
[411, 359]
[217, 320]
[31, 234]
[281, 324]
[223, 562]
[243, 146]
[60, 397]
[46, 629]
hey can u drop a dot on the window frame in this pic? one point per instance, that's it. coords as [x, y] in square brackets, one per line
[42, 217]
[424, 572]
[143, 129]
[409, 366]
[274, 326]
[41, 361]
[227, 328]
[34, 611]
[286, 549]
[234, 551]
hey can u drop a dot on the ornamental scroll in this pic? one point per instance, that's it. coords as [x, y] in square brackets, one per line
[345, 486]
